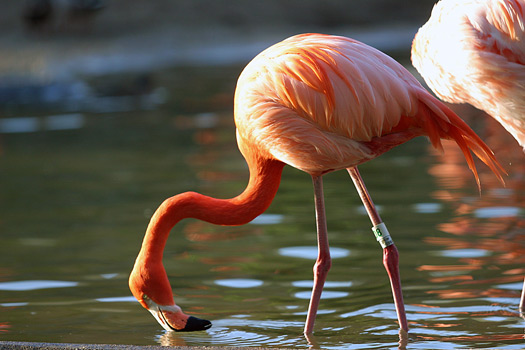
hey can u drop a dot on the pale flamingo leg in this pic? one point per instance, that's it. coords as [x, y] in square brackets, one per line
[522, 299]
[324, 261]
[390, 253]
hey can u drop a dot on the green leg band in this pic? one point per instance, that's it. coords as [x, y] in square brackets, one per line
[382, 235]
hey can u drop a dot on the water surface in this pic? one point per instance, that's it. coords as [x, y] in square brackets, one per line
[78, 187]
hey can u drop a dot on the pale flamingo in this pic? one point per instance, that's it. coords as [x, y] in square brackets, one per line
[319, 103]
[473, 51]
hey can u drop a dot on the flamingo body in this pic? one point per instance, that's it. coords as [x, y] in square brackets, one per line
[473, 51]
[318, 103]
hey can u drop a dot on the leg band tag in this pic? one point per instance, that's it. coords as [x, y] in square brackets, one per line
[382, 235]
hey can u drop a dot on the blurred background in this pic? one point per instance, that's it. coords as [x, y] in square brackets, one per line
[107, 107]
[62, 41]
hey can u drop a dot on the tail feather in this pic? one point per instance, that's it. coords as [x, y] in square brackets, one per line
[465, 148]
[440, 122]
[476, 145]
[431, 128]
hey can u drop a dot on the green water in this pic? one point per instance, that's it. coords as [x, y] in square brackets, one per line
[74, 205]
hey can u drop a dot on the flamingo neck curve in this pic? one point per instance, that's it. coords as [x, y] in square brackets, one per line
[148, 278]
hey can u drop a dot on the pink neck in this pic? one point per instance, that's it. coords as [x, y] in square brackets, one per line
[265, 177]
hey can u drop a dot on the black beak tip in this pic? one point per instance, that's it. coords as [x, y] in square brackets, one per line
[196, 324]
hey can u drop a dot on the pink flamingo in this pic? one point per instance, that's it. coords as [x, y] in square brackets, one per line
[473, 51]
[319, 103]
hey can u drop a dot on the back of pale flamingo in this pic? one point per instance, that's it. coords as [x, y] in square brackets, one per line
[473, 51]
[318, 103]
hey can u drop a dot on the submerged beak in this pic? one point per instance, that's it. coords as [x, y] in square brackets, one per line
[171, 318]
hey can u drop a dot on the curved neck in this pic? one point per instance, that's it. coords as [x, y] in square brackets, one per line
[265, 177]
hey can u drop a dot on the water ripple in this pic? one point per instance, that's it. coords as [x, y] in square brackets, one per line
[239, 283]
[35, 285]
[310, 252]
[327, 284]
[497, 212]
[326, 294]
[224, 333]
[268, 219]
[126, 299]
[464, 253]
[427, 208]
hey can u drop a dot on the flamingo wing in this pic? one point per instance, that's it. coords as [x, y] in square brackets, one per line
[313, 101]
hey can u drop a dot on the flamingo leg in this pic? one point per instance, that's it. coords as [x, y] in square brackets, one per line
[390, 253]
[522, 299]
[324, 261]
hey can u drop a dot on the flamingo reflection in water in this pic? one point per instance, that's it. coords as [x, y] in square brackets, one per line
[319, 103]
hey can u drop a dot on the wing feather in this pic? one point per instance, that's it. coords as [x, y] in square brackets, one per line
[322, 103]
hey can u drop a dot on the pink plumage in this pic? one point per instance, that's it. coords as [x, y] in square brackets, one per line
[319, 103]
[473, 51]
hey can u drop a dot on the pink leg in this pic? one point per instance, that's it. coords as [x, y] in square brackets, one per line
[324, 262]
[390, 253]
[522, 300]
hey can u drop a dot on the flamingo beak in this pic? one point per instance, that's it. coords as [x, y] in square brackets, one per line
[171, 318]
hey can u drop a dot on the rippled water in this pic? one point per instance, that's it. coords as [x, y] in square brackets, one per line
[75, 201]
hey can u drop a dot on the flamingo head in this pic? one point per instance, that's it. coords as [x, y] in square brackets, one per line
[153, 291]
